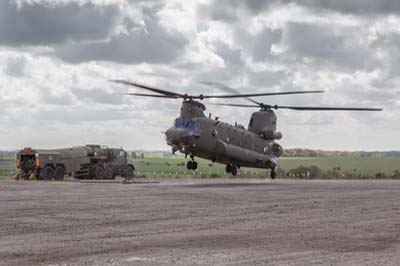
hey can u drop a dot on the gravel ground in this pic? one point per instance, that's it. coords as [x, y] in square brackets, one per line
[201, 222]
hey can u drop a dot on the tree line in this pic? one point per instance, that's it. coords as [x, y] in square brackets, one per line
[298, 152]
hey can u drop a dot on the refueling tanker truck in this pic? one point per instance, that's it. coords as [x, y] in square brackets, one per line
[82, 162]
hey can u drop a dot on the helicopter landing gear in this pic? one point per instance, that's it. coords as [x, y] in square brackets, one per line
[191, 165]
[231, 169]
[273, 173]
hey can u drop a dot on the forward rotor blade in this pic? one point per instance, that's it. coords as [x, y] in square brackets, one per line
[256, 94]
[235, 93]
[225, 88]
[151, 95]
[311, 108]
[160, 91]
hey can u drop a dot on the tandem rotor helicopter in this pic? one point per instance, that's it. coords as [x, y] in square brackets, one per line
[196, 135]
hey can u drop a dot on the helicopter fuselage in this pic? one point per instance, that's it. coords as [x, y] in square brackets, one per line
[196, 135]
[212, 139]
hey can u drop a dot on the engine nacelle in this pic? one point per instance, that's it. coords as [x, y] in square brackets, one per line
[271, 134]
[277, 150]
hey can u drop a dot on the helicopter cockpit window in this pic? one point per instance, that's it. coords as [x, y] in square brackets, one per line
[179, 123]
[191, 125]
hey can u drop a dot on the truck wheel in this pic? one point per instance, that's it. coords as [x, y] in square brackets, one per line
[99, 172]
[130, 172]
[48, 173]
[109, 172]
[59, 173]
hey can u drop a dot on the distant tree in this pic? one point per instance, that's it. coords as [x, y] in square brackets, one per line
[380, 175]
[300, 171]
[396, 174]
[315, 171]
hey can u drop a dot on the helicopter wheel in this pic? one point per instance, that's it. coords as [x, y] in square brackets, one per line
[273, 173]
[191, 165]
[234, 170]
[194, 165]
[228, 168]
[231, 169]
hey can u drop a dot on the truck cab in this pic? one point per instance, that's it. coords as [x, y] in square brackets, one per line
[27, 162]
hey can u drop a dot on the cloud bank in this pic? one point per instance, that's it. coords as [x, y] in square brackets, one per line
[56, 58]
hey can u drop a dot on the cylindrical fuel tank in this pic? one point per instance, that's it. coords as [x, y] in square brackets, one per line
[95, 151]
[243, 155]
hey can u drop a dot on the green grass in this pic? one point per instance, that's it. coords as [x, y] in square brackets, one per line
[6, 166]
[172, 167]
[177, 166]
[365, 166]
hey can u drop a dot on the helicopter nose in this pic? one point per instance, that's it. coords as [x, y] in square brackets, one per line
[174, 136]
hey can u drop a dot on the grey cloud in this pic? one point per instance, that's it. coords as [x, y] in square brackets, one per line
[214, 74]
[258, 46]
[230, 10]
[41, 24]
[324, 44]
[230, 56]
[355, 6]
[49, 97]
[16, 67]
[261, 44]
[152, 45]
[80, 115]
[391, 44]
[98, 96]
[265, 78]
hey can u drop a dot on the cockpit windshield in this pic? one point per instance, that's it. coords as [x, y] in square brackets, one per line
[189, 124]
[179, 123]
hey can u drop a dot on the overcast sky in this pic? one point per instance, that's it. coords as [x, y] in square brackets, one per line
[57, 55]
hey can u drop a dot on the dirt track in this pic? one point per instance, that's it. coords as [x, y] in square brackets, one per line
[221, 222]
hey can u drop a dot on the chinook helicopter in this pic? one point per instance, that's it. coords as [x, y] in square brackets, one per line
[196, 135]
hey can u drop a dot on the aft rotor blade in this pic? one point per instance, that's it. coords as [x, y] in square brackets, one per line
[256, 94]
[160, 91]
[236, 105]
[311, 108]
[298, 108]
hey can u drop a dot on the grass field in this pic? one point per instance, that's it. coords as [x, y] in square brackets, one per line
[176, 166]
[7, 167]
[364, 166]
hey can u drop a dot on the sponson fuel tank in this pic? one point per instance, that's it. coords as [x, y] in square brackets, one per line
[264, 123]
[245, 156]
